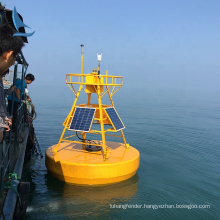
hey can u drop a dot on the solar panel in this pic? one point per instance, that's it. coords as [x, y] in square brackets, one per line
[82, 119]
[116, 121]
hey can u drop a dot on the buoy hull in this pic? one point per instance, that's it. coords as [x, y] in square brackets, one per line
[75, 165]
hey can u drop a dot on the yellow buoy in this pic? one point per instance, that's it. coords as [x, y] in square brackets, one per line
[74, 165]
[81, 160]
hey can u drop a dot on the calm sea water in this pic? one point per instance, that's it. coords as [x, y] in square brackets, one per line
[178, 136]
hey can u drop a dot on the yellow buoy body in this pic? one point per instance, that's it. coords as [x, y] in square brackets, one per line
[71, 163]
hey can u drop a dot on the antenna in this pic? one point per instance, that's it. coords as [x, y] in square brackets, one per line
[81, 58]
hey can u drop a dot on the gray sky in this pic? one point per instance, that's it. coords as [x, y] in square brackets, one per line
[155, 44]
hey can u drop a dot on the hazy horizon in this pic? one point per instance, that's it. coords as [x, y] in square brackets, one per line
[155, 44]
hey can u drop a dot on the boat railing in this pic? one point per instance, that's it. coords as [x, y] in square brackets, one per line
[9, 147]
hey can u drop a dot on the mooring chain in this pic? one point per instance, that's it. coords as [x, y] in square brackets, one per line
[38, 146]
[33, 137]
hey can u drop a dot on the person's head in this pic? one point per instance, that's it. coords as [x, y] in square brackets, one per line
[9, 47]
[29, 78]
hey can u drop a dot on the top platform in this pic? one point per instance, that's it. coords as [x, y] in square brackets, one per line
[93, 79]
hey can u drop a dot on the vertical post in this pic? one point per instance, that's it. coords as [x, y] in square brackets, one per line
[14, 79]
[99, 68]
[84, 137]
[89, 99]
[82, 58]
[84, 134]
[12, 149]
[106, 77]
[21, 111]
[101, 122]
[82, 62]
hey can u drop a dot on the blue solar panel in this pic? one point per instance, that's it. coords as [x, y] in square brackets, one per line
[114, 118]
[82, 119]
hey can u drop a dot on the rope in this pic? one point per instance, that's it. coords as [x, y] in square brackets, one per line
[33, 110]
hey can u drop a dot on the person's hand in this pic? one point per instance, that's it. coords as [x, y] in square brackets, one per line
[8, 121]
[12, 88]
[7, 128]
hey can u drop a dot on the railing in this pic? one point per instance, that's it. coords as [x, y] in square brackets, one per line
[9, 147]
[90, 79]
[89, 82]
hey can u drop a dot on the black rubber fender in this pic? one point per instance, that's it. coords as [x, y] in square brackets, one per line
[20, 209]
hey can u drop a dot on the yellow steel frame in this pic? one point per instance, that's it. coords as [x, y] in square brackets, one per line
[111, 84]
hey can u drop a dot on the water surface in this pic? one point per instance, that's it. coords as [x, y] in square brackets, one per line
[177, 134]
